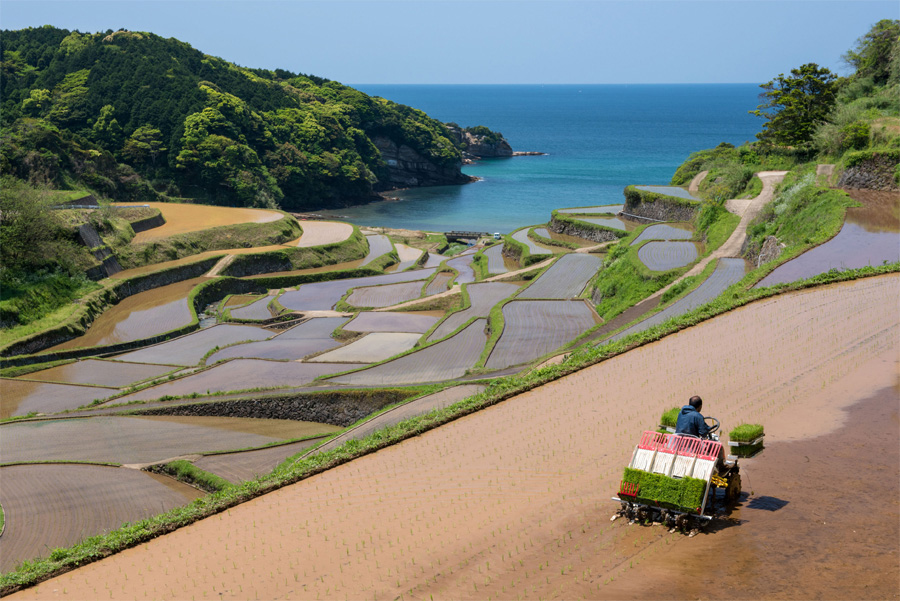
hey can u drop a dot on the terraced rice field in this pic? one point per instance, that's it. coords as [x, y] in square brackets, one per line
[371, 348]
[664, 231]
[321, 269]
[370, 321]
[669, 191]
[535, 498]
[378, 245]
[613, 209]
[564, 279]
[317, 233]
[66, 500]
[191, 348]
[534, 328]
[258, 310]
[247, 465]
[663, 256]
[727, 272]
[496, 263]
[239, 374]
[533, 247]
[439, 283]
[323, 296]
[385, 296]
[138, 440]
[99, 373]
[463, 264]
[420, 406]
[183, 218]
[21, 397]
[610, 222]
[433, 260]
[312, 336]
[139, 316]
[870, 236]
[445, 360]
[482, 297]
[408, 256]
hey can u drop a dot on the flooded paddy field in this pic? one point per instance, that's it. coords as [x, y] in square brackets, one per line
[535, 248]
[463, 264]
[439, 283]
[323, 296]
[482, 297]
[64, 500]
[445, 360]
[407, 255]
[523, 487]
[21, 397]
[139, 316]
[311, 336]
[132, 439]
[385, 296]
[183, 218]
[870, 236]
[536, 327]
[239, 374]
[370, 321]
[247, 465]
[665, 231]
[496, 262]
[191, 348]
[611, 222]
[565, 279]
[257, 310]
[663, 256]
[371, 348]
[726, 273]
[378, 245]
[99, 373]
[611, 209]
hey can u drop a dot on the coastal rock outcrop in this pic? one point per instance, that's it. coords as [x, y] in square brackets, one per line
[407, 168]
[479, 142]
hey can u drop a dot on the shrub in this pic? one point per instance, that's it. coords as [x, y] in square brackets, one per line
[745, 433]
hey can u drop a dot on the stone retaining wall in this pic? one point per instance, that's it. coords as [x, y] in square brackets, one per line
[148, 223]
[658, 206]
[876, 173]
[335, 408]
[571, 228]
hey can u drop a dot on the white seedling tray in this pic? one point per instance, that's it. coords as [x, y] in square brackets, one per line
[746, 444]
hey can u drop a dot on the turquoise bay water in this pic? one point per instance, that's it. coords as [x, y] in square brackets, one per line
[598, 139]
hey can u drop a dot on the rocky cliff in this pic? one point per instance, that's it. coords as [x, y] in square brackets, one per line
[407, 168]
[479, 142]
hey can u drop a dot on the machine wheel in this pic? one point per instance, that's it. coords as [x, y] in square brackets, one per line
[733, 492]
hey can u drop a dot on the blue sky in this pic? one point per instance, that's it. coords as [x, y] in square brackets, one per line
[491, 41]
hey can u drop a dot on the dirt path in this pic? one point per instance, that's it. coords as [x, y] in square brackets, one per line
[182, 218]
[513, 501]
[694, 186]
[316, 233]
[747, 209]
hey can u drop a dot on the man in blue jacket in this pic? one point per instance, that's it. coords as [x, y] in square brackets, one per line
[690, 421]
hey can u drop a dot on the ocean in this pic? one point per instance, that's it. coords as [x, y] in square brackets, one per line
[598, 139]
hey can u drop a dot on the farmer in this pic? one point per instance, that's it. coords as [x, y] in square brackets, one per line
[690, 421]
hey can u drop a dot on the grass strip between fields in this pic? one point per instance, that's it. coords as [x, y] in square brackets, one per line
[129, 535]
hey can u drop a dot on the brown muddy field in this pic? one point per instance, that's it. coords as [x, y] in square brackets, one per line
[140, 316]
[182, 218]
[21, 397]
[74, 501]
[99, 373]
[513, 501]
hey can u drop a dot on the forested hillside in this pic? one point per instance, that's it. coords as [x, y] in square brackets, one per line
[132, 115]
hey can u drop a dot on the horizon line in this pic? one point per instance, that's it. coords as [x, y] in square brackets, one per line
[655, 83]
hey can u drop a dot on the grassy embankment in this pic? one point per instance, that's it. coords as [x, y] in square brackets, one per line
[96, 547]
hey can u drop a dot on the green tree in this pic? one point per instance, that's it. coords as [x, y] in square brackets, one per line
[795, 105]
[106, 130]
[144, 143]
[37, 103]
[872, 55]
[29, 229]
